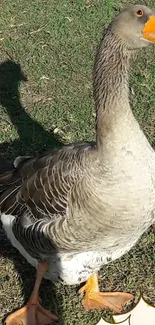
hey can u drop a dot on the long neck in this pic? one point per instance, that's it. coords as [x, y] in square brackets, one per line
[110, 83]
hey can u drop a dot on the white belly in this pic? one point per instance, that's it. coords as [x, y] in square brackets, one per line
[69, 268]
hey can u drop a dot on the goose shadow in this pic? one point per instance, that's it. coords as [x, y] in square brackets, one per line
[32, 136]
[27, 129]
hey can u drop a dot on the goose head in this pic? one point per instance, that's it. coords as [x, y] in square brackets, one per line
[135, 26]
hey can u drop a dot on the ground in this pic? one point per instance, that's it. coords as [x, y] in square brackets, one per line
[47, 50]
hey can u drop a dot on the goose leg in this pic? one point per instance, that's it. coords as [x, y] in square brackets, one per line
[33, 313]
[96, 300]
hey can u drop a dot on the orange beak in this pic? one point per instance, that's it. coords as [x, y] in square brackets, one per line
[149, 30]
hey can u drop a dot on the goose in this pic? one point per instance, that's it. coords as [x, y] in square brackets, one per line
[77, 208]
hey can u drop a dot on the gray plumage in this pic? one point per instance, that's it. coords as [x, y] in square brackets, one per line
[87, 204]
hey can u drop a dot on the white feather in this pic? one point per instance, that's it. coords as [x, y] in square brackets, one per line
[7, 221]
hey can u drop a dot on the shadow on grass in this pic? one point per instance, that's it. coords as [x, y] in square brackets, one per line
[32, 138]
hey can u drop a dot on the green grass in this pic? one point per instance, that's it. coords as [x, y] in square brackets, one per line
[54, 42]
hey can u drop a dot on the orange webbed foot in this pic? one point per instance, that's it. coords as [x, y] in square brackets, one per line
[31, 315]
[106, 300]
[96, 300]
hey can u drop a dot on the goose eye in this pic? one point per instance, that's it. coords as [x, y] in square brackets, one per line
[139, 13]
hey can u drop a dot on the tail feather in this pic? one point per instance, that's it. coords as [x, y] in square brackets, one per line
[12, 178]
[10, 182]
[5, 178]
[18, 162]
[8, 189]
